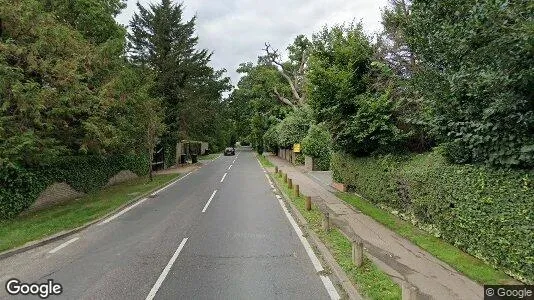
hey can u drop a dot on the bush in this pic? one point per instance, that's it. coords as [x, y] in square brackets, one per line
[294, 128]
[20, 187]
[318, 144]
[483, 211]
[270, 139]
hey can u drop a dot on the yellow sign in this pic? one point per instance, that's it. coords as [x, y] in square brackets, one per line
[296, 148]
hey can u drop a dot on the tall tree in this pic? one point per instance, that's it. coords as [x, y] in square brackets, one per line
[293, 70]
[162, 41]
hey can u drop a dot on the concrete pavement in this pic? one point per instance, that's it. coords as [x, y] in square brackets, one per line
[218, 233]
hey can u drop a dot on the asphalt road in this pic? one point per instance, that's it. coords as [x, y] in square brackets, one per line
[189, 242]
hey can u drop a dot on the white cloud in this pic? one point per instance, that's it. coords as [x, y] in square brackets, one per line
[236, 30]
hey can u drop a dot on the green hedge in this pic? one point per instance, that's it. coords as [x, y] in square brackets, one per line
[486, 212]
[20, 187]
[318, 144]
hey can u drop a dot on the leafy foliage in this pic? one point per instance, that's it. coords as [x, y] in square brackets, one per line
[270, 139]
[359, 116]
[318, 144]
[483, 211]
[477, 64]
[190, 90]
[294, 128]
[20, 187]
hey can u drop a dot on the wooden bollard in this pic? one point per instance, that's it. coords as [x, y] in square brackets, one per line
[409, 292]
[326, 222]
[275, 169]
[297, 190]
[284, 176]
[357, 253]
[308, 203]
[290, 183]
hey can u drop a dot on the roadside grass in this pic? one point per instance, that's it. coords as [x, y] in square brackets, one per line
[370, 281]
[470, 266]
[264, 161]
[46, 222]
[209, 156]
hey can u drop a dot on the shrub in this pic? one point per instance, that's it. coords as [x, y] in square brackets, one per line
[483, 211]
[20, 187]
[318, 144]
[270, 139]
[294, 128]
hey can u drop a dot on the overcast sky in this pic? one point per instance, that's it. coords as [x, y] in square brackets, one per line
[236, 30]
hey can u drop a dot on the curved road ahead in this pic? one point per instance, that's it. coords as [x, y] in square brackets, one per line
[218, 233]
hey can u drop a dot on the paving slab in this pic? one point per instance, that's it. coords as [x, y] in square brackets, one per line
[400, 258]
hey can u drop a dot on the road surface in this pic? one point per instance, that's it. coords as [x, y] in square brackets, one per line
[218, 233]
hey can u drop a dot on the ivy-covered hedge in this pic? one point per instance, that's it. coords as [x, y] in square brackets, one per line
[20, 187]
[486, 212]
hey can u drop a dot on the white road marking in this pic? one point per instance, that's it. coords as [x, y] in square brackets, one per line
[140, 201]
[120, 213]
[230, 167]
[330, 287]
[168, 185]
[224, 176]
[65, 244]
[315, 261]
[209, 201]
[168, 267]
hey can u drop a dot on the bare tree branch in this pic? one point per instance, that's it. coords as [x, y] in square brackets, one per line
[283, 99]
[273, 55]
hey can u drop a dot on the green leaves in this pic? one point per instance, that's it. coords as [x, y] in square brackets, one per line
[484, 211]
[342, 95]
[478, 54]
[318, 144]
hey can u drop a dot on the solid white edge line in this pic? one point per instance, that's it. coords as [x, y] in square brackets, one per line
[209, 201]
[140, 201]
[120, 213]
[168, 185]
[329, 286]
[334, 295]
[224, 176]
[65, 244]
[163, 275]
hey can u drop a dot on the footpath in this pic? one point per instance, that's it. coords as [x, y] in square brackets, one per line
[405, 262]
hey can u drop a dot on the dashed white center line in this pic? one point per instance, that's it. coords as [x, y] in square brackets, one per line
[168, 267]
[65, 244]
[230, 167]
[224, 176]
[209, 201]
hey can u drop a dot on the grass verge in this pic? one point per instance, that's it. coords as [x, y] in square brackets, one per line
[264, 161]
[371, 282]
[46, 222]
[470, 266]
[209, 156]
